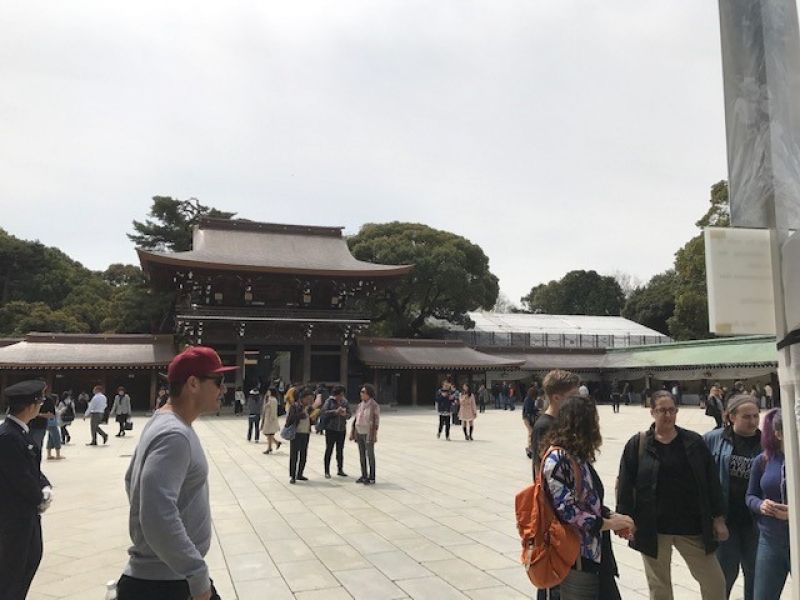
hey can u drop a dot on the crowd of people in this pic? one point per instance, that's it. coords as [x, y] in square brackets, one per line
[718, 499]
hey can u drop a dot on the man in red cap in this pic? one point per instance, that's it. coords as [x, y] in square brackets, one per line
[167, 486]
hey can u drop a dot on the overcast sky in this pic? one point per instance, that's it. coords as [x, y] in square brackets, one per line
[556, 134]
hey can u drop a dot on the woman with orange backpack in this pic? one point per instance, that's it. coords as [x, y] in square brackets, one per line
[577, 496]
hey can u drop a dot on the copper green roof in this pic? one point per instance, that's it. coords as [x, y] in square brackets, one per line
[718, 352]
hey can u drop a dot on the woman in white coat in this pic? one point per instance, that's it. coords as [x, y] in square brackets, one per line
[269, 420]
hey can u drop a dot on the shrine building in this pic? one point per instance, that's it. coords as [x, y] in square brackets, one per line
[279, 301]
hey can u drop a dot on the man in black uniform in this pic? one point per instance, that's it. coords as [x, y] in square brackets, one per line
[24, 492]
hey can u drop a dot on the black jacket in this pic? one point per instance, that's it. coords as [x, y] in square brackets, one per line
[637, 488]
[21, 480]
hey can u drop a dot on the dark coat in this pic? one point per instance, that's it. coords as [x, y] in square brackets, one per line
[637, 488]
[21, 480]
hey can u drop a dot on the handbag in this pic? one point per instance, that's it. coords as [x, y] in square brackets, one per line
[289, 432]
[128, 425]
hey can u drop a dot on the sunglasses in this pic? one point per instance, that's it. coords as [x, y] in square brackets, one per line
[216, 379]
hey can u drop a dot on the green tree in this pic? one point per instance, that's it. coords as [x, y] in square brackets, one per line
[654, 303]
[19, 318]
[171, 224]
[451, 277]
[690, 319]
[134, 307]
[577, 293]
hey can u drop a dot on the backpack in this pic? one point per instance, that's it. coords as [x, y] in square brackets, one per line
[550, 547]
[69, 413]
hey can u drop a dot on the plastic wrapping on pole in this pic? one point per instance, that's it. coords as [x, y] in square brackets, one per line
[761, 71]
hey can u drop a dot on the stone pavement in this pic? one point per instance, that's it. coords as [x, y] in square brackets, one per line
[439, 524]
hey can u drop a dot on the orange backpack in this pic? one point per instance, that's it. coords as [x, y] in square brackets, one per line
[550, 547]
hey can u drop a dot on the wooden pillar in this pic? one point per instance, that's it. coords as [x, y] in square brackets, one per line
[343, 364]
[414, 388]
[240, 364]
[307, 361]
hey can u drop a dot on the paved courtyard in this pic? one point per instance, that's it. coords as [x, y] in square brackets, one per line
[439, 524]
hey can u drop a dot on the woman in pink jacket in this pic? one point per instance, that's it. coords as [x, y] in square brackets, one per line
[467, 410]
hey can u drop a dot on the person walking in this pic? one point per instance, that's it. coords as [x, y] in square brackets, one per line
[53, 428]
[766, 498]
[768, 394]
[95, 411]
[238, 401]
[615, 395]
[65, 411]
[298, 447]
[365, 432]
[529, 416]
[668, 481]
[25, 493]
[255, 406]
[467, 410]
[484, 397]
[38, 425]
[161, 398]
[121, 409]
[511, 396]
[733, 448]
[167, 487]
[334, 416]
[269, 420]
[82, 403]
[715, 406]
[577, 494]
[445, 396]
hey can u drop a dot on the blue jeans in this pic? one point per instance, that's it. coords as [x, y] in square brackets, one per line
[252, 426]
[772, 567]
[739, 550]
[53, 437]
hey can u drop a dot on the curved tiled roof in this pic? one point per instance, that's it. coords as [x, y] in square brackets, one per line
[385, 353]
[79, 351]
[239, 245]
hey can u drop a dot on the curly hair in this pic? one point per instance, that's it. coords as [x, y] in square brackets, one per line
[577, 429]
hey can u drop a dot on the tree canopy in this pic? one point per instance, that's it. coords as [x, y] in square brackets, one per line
[654, 303]
[171, 224]
[577, 293]
[451, 277]
[42, 289]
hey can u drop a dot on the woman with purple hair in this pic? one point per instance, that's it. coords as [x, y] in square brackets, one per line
[766, 498]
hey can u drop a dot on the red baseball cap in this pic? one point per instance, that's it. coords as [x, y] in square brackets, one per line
[200, 361]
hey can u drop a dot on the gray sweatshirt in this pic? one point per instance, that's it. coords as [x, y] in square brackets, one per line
[170, 516]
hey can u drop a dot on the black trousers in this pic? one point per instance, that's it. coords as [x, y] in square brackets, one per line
[20, 555]
[444, 421]
[252, 426]
[615, 398]
[298, 449]
[334, 438]
[130, 588]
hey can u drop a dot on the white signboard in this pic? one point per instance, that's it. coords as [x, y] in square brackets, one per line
[739, 280]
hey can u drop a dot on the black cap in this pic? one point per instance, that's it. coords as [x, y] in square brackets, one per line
[25, 390]
[32, 388]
